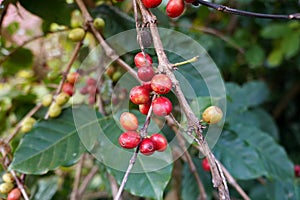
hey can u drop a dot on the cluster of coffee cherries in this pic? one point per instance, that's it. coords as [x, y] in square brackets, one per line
[174, 8]
[91, 90]
[131, 138]
[152, 84]
[8, 187]
[62, 98]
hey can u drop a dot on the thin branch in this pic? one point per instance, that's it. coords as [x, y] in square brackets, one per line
[87, 180]
[19, 125]
[226, 9]
[74, 194]
[114, 186]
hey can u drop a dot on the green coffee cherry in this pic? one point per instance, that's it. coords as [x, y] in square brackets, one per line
[29, 120]
[99, 23]
[53, 75]
[54, 110]
[62, 98]
[6, 187]
[8, 178]
[47, 100]
[212, 115]
[76, 34]
[26, 128]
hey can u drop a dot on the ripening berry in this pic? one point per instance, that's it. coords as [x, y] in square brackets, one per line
[161, 84]
[212, 115]
[205, 165]
[91, 81]
[142, 61]
[159, 141]
[139, 95]
[73, 77]
[76, 34]
[146, 73]
[54, 110]
[62, 98]
[6, 187]
[47, 100]
[15, 194]
[129, 140]
[129, 121]
[8, 178]
[68, 88]
[162, 106]
[147, 147]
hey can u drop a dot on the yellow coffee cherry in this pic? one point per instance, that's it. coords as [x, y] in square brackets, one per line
[8, 178]
[29, 120]
[47, 100]
[62, 98]
[6, 187]
[54, 110]
[99, 23]
[212, 115]
[76, 34]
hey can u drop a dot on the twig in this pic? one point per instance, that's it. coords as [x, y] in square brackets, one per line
[68, 68]
[194, 124]
[226, 9]
[87, 180]
[194, 59]
[19, 125]
[74, 194]
[114, 186]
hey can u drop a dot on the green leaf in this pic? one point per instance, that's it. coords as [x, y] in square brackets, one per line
[20, 59]
[48, 145]
[189, 189]
[290, 45]
[271, 154]
[282, 190]
[246, 165]
[49, 10]
[47, 187]
[255, 56]
[275, 57]
[275, 31]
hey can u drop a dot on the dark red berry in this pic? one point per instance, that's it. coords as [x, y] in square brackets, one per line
[92, 99]
[91, 81]
[139, 95]
[142, 61]
[92, 89]
[146, 73]
[15, 194]
[72, 77]
[297, 170]
[159, 141]
[144, 108]
[84, 90]
[175, 8]
[68, 88]
[162, 106]
[151, 3]
[129, 121]
[161, 84]
[147, 147]
[205, 165]
[129, 140]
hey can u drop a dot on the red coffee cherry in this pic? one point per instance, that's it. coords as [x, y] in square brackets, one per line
[147, 85]
[140, 61]
[144, 108]
[73, 77]
[175, 8]
[205, 165]
[159, 141]
[129, 121]
[146, 73]
[147, 147]
[212, 115]
[68, 88]
[297, 170]
[15, 194]
[151, 3]
[162, 106]
[161, 84]
[91, 81]
[129, 140]
[139, 95]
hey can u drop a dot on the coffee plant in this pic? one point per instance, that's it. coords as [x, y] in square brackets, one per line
[149, 99]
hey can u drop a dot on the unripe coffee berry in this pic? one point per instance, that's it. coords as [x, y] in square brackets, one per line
[162, 106]
[159, 141]
[161, 84]
[139, 95]
[8, 178]
[129, 121]
[142, 61]
[76, 34]
[99, 23]
[26, 128]
[54, 110]
[212, 115]
[129, 140]
[147, 147]
[62, 98]
[47, 100]
[6, 187]
[205, 165]
[15, 194]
